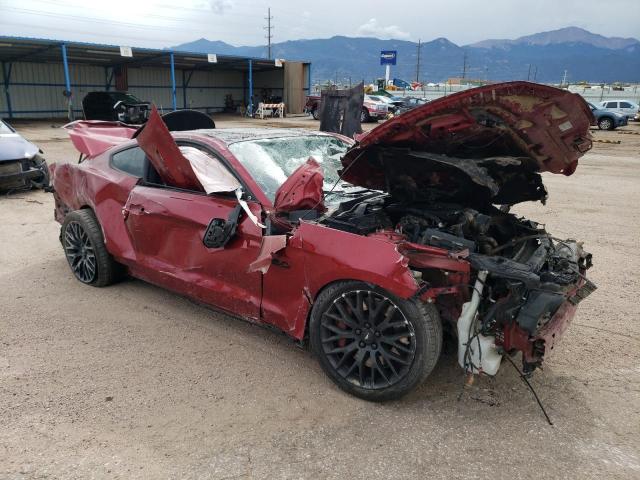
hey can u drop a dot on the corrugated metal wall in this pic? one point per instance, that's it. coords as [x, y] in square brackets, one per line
[36, 88]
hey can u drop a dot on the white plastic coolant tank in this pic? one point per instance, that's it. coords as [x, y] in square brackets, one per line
[482, 352]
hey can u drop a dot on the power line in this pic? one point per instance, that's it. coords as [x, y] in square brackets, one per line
[418, 63]
[268, 28]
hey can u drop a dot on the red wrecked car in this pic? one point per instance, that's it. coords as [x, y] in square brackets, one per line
[369, 250]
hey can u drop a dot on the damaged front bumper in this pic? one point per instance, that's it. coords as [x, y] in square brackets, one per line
[19, 173]
[513, 306]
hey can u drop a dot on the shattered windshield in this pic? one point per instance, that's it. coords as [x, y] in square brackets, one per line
[270, 161]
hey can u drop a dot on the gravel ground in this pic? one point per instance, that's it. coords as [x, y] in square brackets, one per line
[135, 382]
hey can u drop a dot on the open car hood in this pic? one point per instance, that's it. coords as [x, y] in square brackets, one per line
[487, 143]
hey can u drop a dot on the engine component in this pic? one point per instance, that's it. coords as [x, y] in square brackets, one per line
[476, 352]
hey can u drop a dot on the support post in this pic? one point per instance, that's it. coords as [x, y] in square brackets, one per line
[250, 88]
[309, 80]
[6, 78]
[184, 90]
[108, 77]
[67, 82]
[173, 82]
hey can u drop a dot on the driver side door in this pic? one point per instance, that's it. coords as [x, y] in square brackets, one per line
[167, 228]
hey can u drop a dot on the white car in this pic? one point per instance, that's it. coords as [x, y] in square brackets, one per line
[624, 107]
[373, 109]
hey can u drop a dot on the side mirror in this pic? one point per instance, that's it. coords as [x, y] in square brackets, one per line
[220, 231]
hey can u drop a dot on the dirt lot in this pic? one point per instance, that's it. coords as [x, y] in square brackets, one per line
[134, 382]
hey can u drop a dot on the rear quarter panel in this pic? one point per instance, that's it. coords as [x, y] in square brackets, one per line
[94, 184]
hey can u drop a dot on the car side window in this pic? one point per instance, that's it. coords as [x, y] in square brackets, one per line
[625, 105]
[612, 104]
[131, 161]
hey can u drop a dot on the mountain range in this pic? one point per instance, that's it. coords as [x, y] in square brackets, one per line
[542, 57]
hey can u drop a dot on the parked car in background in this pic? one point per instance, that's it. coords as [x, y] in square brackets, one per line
[393, 103]
[21, 162]
[371, 109]
[312, 106]
[409, 103]
[607, 119]
[115, 106]
[624, 107]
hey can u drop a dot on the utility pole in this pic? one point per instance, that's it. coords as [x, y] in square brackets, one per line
[535, 73]
[529, 74]
[418, 63]
[268, 28]
[564, 78]
[464, 66]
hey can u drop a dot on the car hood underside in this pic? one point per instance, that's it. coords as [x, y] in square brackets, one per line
[489, 144]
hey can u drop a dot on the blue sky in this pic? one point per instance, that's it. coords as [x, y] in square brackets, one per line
[161, 23]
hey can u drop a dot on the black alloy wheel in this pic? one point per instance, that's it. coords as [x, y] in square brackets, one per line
[372, 344]
[80, 253]
[86, 253]
[367, 339]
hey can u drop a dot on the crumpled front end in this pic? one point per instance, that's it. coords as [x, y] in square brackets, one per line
[501, 283]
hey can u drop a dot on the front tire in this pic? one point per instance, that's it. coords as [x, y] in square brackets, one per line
[83, 244]
[605, 124]
[364, 116]
[371, 343]
[315, 113]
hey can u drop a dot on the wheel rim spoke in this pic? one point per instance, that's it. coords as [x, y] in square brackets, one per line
[80, 252]
[367, 339]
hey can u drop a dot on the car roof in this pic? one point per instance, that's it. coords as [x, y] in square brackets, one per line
[235, 135]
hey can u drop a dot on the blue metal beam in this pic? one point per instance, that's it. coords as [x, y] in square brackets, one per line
[250, 88]
[6, 78]
[173, 82]
[67, 81]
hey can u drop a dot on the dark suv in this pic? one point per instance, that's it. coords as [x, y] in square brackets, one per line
[119, 106]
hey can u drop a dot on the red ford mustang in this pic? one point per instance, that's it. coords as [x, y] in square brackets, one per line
[370, 250]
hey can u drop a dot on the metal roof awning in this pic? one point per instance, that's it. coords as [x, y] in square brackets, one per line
[18, 49]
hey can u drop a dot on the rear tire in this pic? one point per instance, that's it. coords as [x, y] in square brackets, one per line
[371, 343]
[83, 244]
[315, 114]
[605, 123]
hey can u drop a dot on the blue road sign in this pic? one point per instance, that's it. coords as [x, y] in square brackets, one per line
[388, 57]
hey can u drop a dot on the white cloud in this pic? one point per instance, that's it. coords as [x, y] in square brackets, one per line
[373, 29]
[220, 6]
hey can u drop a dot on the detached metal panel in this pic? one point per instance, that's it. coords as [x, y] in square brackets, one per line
[294, 84]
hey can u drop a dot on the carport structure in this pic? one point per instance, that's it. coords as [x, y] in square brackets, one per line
[48, 78]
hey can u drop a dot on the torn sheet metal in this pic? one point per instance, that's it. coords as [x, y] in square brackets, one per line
[270, 245]
[302, 190]
[92, 137]
[164, 154]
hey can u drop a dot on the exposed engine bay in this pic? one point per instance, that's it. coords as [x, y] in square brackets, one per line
[523, 275]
